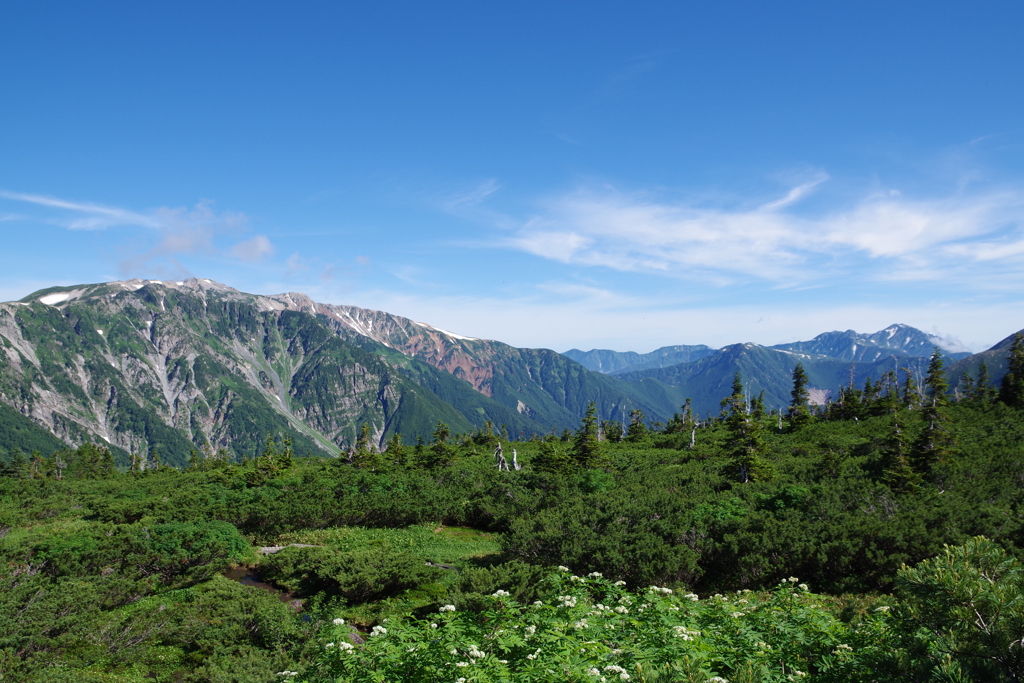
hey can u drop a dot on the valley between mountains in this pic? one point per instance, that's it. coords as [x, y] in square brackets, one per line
[143, 364]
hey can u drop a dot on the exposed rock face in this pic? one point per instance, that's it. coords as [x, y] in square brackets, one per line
[180, 365]
[141, 363]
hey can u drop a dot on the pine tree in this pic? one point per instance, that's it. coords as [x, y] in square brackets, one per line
[286, 458]
[897, 472]
[637, 430]
[935, 441]
[911, 396]
[888, 399]
[440, 454]
[586, 447]
[983, 390]
[552, 457]
[1011, 390]
[799, 410]
[612, 430]
[14, 468]
[366, 456]
[394, 450]
[935, 382]
[746, 438]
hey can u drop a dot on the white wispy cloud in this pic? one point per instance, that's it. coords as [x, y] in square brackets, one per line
[253, 250]
[179, 231]
[85, 215]
[887, 233]
[473, 196]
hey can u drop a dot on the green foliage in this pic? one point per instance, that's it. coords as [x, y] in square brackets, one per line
[799, 410]
[552, 457]
[1011, 390]
[591, 628]
[960, 616]
[746, 436]
[842, 511]
[587, 451]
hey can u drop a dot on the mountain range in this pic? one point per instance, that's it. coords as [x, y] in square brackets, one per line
[143, 364]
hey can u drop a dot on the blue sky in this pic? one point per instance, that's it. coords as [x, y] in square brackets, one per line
[577, 174]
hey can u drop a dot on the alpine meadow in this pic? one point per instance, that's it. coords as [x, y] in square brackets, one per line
[201, 484]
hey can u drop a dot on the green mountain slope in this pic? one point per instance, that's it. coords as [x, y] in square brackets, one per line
[708, 380]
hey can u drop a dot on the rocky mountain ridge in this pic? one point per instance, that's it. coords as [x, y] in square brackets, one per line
[144, 364]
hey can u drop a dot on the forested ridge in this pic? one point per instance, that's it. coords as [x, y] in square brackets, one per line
[878, 538]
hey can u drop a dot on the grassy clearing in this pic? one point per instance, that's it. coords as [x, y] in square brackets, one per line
[439, 544]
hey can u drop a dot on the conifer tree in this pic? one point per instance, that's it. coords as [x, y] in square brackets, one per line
[637, 430]
[394, 449]
[935, 441]
[552, 457]
[586, 448]
[286, 458]
[935, 382]
[366, 456]
[983, 390]
[897, 472]
[799, 410]
[440, 454]
[612, 430]
[1011, 390]
[14, 468]
[911, 396]
[746, 439]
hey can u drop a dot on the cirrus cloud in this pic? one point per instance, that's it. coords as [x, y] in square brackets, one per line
[881, 236]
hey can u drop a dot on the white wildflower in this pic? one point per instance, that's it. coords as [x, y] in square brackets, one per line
[500, 594]
[433, 626]
[692, 596]
[737, 615]
[530, 630]
[793, 579]
[562, 569]
[346, 646]
[339, 622]
[621, 610]
[446, 608]
[620, 583]
[803, 587]
[463, 664]
[582, 623]
[379, 631]
[594, 575]
[329, 645]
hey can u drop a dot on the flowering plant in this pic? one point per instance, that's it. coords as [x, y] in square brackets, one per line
[595, 631]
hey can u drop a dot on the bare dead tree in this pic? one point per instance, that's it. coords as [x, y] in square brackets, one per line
[499, 458]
